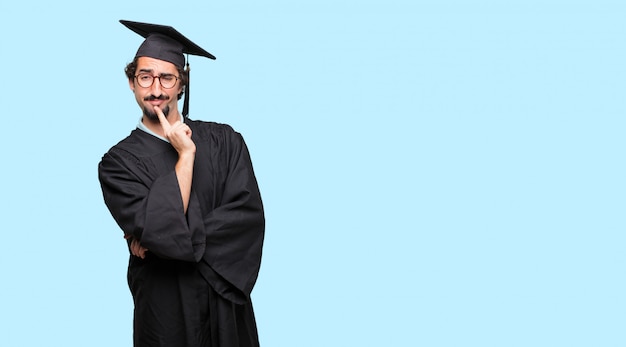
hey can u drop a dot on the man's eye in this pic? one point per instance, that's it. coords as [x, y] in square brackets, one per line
[145, 77]
[168, 78]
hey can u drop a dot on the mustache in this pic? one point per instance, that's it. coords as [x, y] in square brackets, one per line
[160, 97]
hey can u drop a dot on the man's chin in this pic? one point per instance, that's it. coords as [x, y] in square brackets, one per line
[152, 116]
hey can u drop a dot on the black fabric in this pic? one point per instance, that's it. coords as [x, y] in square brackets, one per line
[163, 48]
[193, 288]
[155, 32]
[175, 306]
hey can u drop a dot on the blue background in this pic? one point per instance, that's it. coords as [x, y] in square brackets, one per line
[435, 173]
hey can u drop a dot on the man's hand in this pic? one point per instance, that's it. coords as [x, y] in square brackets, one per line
[136, 248]
[179, 134]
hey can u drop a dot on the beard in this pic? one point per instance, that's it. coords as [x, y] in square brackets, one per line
[149, 112]
[152, 116]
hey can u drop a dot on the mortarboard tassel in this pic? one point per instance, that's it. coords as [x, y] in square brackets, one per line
[186, 101]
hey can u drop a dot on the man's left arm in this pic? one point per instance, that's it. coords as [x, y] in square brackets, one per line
[235, 230]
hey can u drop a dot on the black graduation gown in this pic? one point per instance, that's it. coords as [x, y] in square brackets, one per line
[193, 288]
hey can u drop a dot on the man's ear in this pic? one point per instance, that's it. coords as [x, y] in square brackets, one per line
[131, 84]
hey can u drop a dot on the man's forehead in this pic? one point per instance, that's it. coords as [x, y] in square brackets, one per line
[152, 64]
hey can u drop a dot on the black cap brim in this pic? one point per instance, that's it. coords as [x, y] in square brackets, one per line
[146, 29]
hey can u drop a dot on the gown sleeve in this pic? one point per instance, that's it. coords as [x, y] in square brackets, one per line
[235, 228]
[149, 209]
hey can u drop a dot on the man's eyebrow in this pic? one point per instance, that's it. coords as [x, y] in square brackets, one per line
[152, 71]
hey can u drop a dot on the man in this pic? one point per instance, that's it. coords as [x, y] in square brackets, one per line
[184, 193]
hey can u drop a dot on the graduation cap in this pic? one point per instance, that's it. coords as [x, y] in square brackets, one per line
[166, 43]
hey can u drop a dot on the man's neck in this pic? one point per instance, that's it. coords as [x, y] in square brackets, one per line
[155, 125]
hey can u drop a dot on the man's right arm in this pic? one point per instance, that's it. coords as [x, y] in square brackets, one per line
[150, 210]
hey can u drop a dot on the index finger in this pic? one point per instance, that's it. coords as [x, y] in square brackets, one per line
[164, 123]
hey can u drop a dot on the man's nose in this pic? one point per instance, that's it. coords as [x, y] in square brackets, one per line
[156, 87]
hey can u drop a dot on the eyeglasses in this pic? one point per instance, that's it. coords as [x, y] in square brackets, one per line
[167, 81]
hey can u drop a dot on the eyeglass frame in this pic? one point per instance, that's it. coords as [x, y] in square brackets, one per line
[176, 79]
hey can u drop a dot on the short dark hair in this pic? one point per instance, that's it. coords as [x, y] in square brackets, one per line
[131, 69]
